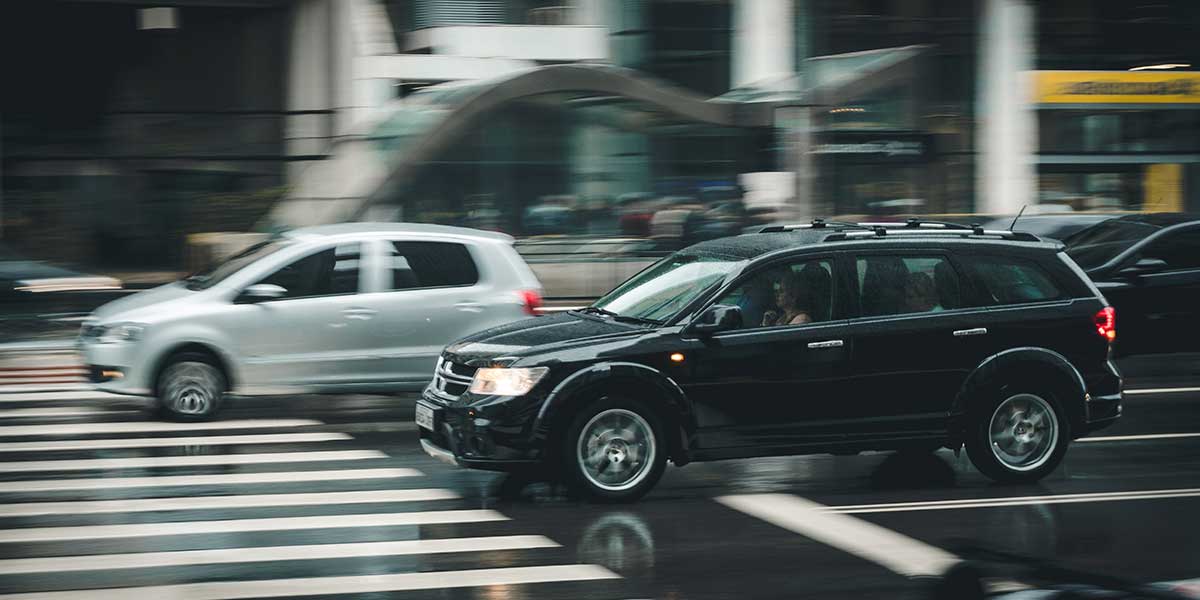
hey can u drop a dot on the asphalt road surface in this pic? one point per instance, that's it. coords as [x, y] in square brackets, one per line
[317, 496]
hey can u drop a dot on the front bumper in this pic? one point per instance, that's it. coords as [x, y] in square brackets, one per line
[476, 438]
[119, 357]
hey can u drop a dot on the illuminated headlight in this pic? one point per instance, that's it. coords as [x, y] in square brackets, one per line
[121, 332]
[507, 382]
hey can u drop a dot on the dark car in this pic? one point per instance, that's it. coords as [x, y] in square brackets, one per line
[1148, 266]
[1054, 226]
[826, 338]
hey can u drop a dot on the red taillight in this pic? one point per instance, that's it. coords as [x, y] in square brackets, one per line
[531, 301]
[1106, 323]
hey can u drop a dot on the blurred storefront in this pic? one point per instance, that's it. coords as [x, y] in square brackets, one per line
[1119, 140]
[137, 127]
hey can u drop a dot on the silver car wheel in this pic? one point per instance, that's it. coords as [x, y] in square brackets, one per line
[192, 388]
[616, 449]
[1023, 432]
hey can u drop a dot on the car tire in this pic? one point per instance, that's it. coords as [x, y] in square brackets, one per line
[614, 450]
[191, 387]
[1018, 437]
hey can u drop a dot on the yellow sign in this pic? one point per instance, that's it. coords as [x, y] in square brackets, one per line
[1116, 87]
[1163, 186]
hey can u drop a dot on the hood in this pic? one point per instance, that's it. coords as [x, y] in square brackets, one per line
[158, 297]
[540, 333]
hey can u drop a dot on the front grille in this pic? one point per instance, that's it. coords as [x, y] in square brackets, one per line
[452, 380]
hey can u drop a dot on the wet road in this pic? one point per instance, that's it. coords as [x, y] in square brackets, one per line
[318, 496]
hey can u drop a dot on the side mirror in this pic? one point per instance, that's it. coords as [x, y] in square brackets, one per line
[1144, 266]
[717, 318]
[261, 292]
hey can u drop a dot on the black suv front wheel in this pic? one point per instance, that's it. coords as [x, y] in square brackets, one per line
[1019, 438]
[615, 450]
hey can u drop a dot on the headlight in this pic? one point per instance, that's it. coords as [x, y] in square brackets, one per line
[121, 332]
[506, 382]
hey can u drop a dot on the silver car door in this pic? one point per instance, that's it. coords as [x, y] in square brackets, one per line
[318, 333]
[426, 303]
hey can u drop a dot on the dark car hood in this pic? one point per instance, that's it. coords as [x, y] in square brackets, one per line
[536, 334]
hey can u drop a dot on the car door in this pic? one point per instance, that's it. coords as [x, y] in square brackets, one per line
[315, 334]
[772, 382]
[914, 333]
[428, 296]
[1158, 310]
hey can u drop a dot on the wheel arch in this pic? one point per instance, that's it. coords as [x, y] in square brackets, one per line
[636, 380]
[1043, 366]
[222, 362]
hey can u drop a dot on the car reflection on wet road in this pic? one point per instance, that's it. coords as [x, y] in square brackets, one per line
[333, 496]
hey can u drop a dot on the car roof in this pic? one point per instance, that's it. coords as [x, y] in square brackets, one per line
[748, 246]
[340, 229]
[1161, 219]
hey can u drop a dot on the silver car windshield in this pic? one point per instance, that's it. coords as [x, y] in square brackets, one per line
[664, 289]
[220, 271]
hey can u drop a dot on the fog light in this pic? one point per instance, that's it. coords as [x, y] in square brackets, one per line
[112, 374]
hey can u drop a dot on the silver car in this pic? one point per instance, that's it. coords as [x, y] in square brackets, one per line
[341, 308]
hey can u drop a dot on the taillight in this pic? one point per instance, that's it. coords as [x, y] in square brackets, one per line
[531, 301]
[1106, 323]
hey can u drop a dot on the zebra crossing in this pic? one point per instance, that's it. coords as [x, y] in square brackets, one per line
[100, 501]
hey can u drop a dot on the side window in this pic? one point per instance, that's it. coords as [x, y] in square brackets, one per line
[430, 264]
[896, 285]
[792, 294]
[330, 272]
[1180, 250]
[1011, 280]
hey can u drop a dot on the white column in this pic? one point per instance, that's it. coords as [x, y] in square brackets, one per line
[309, 85]
[763, 40]
[1007, 142]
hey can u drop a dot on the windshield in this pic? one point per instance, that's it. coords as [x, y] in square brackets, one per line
[204, 279]
[665, 288]
[1097, 245]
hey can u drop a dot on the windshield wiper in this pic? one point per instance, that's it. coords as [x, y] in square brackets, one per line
[596, 310]
[618, 317]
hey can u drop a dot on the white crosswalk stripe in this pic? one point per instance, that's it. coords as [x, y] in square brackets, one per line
[27, 535]
[153, 532]
[64, 411]
[176, 441]
[111, 483]
[150, 426]
[141, 560]
[187, 461]
[91, 507]
[54, 396]
[355, 584]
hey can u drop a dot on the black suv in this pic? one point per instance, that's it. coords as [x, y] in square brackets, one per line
[817, 338]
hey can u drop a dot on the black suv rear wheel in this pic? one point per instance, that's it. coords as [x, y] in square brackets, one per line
[615, 450]
[1019, 437]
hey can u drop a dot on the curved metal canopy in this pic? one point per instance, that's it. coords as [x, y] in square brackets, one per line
[431, 120]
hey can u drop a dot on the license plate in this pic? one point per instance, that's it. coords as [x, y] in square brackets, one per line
[424, 416]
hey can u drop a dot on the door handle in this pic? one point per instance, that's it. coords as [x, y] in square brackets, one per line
[826, 344]
[361, 314]
[966, 332]
[469, 306]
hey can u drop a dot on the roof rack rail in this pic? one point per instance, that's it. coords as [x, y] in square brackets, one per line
[814, 224]
[876, 232]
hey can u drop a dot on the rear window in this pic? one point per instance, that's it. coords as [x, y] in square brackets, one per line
[1011, 281]
[1099, 244]
[415, 265]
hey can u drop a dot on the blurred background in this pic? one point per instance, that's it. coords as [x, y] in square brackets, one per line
[142, 141]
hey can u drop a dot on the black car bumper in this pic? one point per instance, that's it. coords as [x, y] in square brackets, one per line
[1103, 403]
[474, 439]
